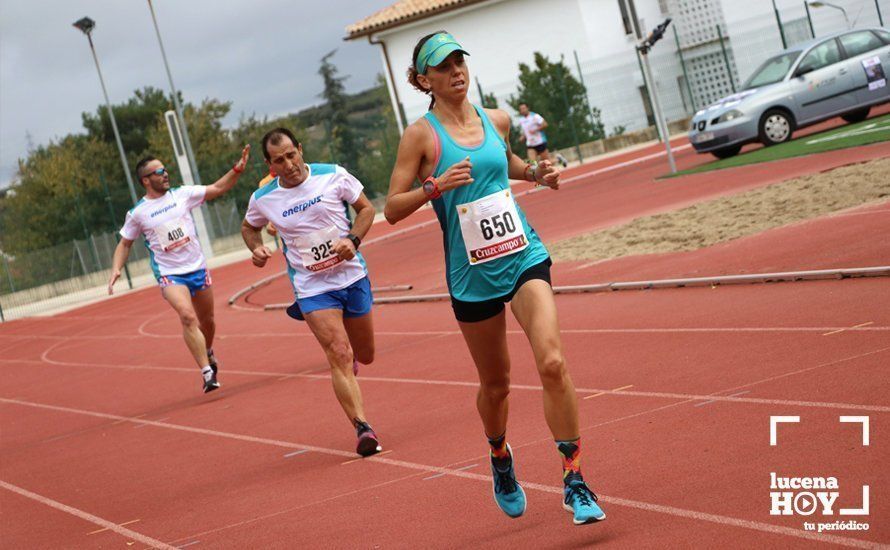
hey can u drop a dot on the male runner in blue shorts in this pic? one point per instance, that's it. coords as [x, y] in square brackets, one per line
[163, 217]
[308, 205]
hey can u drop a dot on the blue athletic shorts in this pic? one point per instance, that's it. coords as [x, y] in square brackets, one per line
[355, 301]
[195, 281]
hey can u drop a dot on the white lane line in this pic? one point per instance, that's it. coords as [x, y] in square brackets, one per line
[123, 531]
[363, 458]
[295, 453]
[653, 330]
[159, 420]
[640, 505]
[434, 476]
[102, 530]
[616, 390]
[861, 325]
[709, 401]
[475, 385]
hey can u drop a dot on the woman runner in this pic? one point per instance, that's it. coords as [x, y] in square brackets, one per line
[461, 153]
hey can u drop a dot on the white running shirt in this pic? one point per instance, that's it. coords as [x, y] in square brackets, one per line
[531, 127]
[169, 230]
[309, 218]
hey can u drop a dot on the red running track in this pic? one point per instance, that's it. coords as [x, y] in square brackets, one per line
[104, 426]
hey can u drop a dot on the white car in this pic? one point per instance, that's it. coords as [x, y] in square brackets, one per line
[843, 74]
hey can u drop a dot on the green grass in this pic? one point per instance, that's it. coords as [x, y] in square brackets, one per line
[850, 135]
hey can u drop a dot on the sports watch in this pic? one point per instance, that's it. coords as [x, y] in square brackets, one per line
[431, 188]
[355, 240]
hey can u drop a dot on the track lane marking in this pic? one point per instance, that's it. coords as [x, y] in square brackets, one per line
[640, 505]
[102, 530]
[86, 516]
[653, 330]
[475, 385]
[616, 390]
[861, 325]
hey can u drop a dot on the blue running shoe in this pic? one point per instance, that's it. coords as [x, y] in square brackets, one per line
[581, 501]
[508, 495]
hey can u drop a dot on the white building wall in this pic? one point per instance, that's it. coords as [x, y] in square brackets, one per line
[500, 34]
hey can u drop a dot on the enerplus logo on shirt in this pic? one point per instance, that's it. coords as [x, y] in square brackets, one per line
[300, 207]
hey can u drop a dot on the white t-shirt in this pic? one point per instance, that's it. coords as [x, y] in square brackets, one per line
[169, 230]
[531, 127]
[310, 218]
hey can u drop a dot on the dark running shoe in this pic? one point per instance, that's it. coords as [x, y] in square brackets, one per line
[211, 383]
[367, 441]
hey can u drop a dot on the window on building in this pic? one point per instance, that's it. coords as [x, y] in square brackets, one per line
[628, 17]
[625, 18]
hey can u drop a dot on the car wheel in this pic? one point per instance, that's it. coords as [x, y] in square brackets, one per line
[727, 152]
[776, 126]
[856, 116]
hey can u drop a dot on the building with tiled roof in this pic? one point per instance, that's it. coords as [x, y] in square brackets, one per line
[402, 12]
[596, 39]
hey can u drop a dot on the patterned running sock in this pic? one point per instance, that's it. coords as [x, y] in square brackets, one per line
[361, 426]
[570, 451]
[499, 447]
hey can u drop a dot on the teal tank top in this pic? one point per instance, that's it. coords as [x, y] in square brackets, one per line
[474, 281]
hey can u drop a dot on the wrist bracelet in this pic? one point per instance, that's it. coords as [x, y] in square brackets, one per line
[236, 170]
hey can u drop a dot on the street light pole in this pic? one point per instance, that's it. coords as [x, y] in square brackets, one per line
[835, 6]
[179, 113]
[197, 213]
[644, 48]
[86, 25]
[779, 23]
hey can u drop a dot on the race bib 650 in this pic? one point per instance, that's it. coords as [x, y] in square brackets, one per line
[491, 227]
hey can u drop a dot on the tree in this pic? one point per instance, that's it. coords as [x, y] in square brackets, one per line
[552, 91]
[342, 138]
[134, 119]
[383, 144]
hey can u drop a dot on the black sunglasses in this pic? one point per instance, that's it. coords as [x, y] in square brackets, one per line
[158, 172]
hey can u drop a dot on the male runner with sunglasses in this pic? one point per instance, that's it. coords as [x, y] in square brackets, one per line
[163, 217]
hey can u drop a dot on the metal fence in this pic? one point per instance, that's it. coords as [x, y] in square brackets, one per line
[34, 281]
[700, 60]
[694, 65]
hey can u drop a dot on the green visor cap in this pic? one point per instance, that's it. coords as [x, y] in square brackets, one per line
[435, 50]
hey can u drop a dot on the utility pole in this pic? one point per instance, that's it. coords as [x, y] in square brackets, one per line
[644, 47]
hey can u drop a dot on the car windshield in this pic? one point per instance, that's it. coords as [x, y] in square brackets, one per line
[773, 70]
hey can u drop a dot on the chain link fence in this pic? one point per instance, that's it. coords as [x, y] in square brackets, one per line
[704, 56]
[699, 61]
[33, 281]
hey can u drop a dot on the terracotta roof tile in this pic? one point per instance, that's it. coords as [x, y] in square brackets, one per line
[403, 12]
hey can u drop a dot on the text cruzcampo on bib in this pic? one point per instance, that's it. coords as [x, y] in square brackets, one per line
[491, 227]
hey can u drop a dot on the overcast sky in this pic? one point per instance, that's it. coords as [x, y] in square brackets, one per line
[261, 55]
